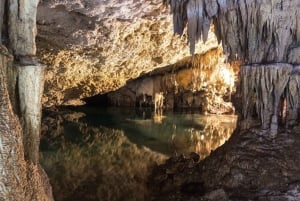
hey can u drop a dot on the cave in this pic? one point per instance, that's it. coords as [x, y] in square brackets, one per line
[149, 100]
[205, 83]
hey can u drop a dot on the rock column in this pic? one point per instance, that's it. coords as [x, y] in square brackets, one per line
[30, 74]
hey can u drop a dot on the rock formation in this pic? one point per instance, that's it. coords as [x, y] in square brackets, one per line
[201, 82]
[264, 35]
[21, 84]
[93, 47]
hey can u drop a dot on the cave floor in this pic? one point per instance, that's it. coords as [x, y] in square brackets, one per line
[249, 166]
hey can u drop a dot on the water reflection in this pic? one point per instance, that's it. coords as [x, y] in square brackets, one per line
[106, 154]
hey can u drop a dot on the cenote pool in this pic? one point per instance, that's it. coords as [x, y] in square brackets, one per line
[107, 153]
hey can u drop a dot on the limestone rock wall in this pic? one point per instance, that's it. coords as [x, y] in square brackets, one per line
[93, 47]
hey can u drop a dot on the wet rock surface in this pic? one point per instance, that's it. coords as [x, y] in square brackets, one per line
[249, 166]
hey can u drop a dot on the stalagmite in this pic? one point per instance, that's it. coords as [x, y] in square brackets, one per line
[30, 85]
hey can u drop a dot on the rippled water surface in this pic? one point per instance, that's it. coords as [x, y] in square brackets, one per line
[107, 153]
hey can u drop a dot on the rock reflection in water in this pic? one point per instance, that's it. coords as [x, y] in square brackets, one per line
[186, 133]
[216, 130]
[89, 158]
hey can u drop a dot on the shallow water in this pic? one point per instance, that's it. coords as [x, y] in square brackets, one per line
[107, 153]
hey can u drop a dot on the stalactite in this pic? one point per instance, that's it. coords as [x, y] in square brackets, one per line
[265, 37]
[262, 89]
[253, 31]
[211, 7]
[22, 26]
[178, 8]
[293, 99]
[193, 19]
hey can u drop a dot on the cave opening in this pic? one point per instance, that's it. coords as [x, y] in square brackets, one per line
[205, 83]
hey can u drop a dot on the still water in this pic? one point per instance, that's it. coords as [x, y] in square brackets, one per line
[107, 153]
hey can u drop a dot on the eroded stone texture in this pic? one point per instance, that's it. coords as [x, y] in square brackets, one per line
[93, 47]
[253, 31]
[11, 164]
